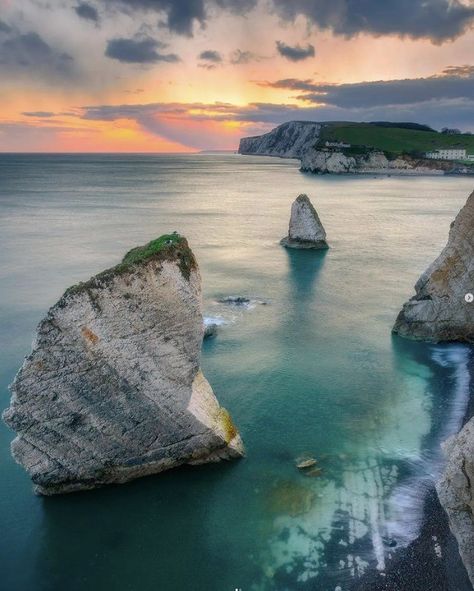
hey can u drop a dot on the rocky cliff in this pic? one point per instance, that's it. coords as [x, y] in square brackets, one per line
[325, 161]
[302, 140]
[305, 228]
[113, 389]
[290, 140]
[455, 491]
[440, 310]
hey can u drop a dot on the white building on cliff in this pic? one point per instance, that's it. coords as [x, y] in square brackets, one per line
[448, 154]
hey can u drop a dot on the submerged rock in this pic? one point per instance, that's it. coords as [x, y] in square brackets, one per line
[442, 308]
[456, 493]
[113, 389]
[242, 301]
[235, 300]
[210, 330]
[306, 229]
[303, 464]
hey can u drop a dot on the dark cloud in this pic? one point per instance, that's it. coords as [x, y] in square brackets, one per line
[438, 20]
[143, 50]
[295, 53]
[41, 114]
[236, 6]
[181, 15]
[454, 83]
[28, 52]
[87, 12]
[4, 28]
[210, 55]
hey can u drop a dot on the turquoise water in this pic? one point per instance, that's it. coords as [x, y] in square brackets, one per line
[316, 371]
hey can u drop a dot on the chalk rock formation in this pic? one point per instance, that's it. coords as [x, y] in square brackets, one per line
[289, 140]
[306, 229]
[112, 389]
[456, 493]
[439, 311]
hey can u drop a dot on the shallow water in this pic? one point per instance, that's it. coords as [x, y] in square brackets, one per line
[316, 371]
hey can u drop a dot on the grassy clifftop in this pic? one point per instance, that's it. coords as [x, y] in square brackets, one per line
[396, 140]
[171, 247]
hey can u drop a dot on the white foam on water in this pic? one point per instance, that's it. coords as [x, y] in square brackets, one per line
[406, 503]
[217, 320]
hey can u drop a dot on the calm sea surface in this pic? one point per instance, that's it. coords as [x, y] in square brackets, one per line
[316, 371]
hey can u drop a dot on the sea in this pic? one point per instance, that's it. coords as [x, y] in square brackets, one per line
[308, 367]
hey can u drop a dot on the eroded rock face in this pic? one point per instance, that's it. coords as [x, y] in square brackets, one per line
[455, 491]
[113, 389]
[439, 310]
[289, 140]
[306, 229]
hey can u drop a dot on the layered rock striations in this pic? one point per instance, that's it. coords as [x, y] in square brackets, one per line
[305, 229]
[456, 493]
[440, 310]
[113, 388]
[290, 140]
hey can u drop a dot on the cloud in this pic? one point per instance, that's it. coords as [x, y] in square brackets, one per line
[187, 122]
[210, 55]
[203, 125]
[142, 50]
[29, 52]
[4, 28]
[41, 114]
[87, 12]
[438, 20]
[455, 82]
[239, 57]
[181, 15]
[295, 53]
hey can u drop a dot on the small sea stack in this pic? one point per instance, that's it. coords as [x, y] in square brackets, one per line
[113, 388]
[442, 308]
[306, 229]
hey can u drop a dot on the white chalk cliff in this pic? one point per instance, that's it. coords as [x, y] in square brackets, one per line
[439, 311]
[305, 229]
[456, 493]
[113, 389]
[289, 140]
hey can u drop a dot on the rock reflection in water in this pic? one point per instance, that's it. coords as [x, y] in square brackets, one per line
[328, 530]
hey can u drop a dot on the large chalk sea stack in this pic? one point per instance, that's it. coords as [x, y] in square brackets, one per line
[113, 388]
[305, 229]
[441, 309]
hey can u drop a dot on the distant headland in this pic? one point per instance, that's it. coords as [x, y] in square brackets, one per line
[379, 147]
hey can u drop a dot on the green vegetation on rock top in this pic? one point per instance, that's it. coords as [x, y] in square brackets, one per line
[141, 253]
[397, 140]
[167, 247]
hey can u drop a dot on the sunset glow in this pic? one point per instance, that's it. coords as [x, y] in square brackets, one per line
[102, 76]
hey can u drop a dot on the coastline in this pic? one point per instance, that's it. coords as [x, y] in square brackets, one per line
[400, 172]
[431, 561]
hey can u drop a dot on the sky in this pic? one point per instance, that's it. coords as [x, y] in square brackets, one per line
[190, 75]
